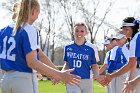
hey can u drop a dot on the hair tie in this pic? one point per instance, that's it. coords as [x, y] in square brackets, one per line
[136, 21]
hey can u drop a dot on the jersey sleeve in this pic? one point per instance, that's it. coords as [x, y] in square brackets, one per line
[113, 53]
[134, 46]
[65, 54]
[30, 40]
[106, 58]
[96, 53]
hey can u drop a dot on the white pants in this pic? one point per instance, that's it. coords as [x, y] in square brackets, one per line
[108, 89]
[137, 73]
[117, 83]
[85, 86]
[19, 82]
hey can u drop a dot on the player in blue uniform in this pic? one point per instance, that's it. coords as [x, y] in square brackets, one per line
[20, 51]
[14, 10]
[109, 43]
[82, 56]
[116, 61]
[130, 25]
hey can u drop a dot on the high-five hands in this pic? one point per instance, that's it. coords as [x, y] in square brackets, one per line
[129, 87]
[107, 79]
[104, 80]
[101, 79]
[66, 77]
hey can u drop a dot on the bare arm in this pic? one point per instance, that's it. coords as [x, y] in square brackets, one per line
[95, 70]
[103, 68]
[46, 60]
[136, 81]
[124, 69]
[132, 71]
[131, 85]
[44, 69]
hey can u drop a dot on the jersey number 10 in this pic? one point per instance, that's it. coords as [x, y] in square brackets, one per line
[77, 63]
[7, 52]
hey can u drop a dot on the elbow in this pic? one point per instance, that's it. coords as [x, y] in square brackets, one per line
[31, 64]
[132, 62]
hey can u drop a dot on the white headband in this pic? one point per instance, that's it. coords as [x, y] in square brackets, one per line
[128, 24]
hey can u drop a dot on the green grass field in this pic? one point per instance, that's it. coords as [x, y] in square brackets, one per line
[47, 87]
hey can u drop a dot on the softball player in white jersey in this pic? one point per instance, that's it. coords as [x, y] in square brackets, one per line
[81, 55]
[109, 45]
[117, 60]
[19, 54]
[134, 53]
[129, 26]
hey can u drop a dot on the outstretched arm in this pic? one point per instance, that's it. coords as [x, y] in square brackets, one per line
[131, 85]
[132, 72]
[103, 68]
[124, 69]
[49, 71]
[99, 78]
[46, 60]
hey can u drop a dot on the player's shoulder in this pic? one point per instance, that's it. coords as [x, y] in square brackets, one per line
[136, 36]
[30, 30]
[7, 27]
[114, 50]
[89, 44]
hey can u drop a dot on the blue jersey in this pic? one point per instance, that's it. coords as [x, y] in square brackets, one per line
[80, 57]
[14, 48]
[135, 47]
[117, 59]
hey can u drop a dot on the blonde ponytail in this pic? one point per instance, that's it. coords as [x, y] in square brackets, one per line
[23, 15]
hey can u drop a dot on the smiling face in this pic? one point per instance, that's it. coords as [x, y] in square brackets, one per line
[80, 31]
[128, 31]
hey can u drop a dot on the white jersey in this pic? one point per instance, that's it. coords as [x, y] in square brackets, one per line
[126, 51]
[134, 46]
[106, 57]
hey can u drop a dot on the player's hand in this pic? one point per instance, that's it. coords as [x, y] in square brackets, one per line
[101, 79]
[129, 87]
[68, 78]
[107, 79]
[55, 81]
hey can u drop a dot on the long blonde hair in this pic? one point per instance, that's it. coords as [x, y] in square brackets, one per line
[24, 13]
[15, 10]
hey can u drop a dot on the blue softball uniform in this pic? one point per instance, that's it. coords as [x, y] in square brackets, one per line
[80, 57]
[117, 59]
[14, 48]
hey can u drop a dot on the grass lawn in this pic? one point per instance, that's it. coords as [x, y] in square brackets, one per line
[47, 87]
